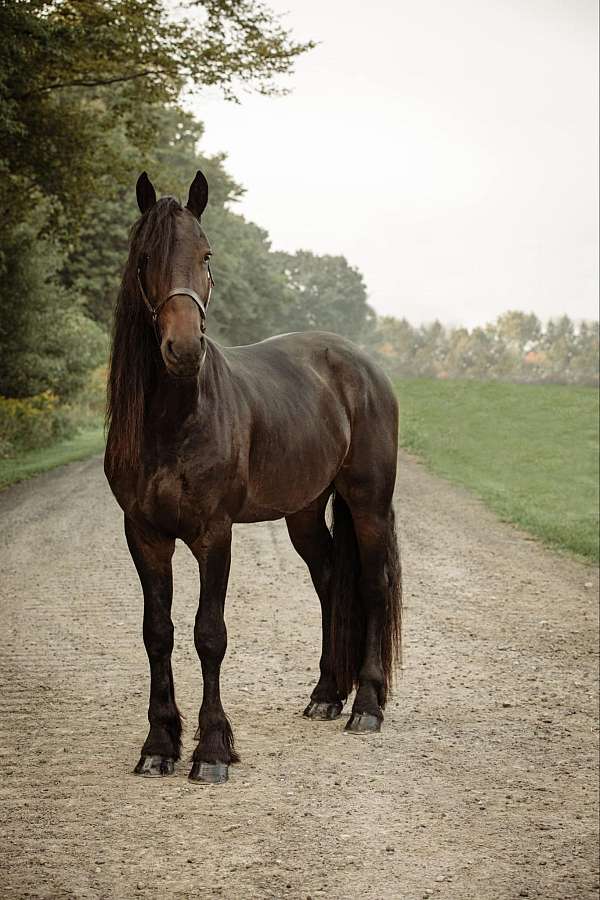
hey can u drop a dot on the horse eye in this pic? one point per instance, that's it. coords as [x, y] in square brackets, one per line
[207, 257]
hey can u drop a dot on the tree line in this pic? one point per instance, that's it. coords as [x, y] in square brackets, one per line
[90, 95]
[516, 347]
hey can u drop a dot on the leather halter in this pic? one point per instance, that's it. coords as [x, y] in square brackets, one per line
[186, 292]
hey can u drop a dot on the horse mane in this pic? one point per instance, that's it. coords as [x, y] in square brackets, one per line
[135, 356]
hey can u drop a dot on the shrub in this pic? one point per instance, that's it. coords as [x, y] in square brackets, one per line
[30, 422]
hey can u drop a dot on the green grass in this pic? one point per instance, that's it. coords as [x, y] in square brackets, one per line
[33, 462]
[529, 451]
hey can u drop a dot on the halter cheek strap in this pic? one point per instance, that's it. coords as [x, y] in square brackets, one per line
[187, 292]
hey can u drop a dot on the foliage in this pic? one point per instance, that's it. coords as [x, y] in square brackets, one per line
[48, 343]
[258, 292]
[515, 348]
[89, 94]
[30, 422]
[76, 71]
[41, 420]
[325, 293]
[529, 451]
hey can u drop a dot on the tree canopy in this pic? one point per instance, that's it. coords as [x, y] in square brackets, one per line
[83, 82]
[90, 94]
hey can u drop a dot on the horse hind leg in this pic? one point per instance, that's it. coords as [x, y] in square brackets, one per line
[313, 542]
[366, 619]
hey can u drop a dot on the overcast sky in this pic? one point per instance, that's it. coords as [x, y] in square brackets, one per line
[449, 150]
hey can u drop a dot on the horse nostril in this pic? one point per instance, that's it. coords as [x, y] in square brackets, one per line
[171, 350]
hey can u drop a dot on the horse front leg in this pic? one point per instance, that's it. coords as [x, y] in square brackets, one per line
[152, 554]
[215, 750]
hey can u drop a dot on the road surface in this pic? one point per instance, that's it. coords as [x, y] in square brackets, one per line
[482, 784]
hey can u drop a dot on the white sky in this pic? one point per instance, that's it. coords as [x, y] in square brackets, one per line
[449, 150]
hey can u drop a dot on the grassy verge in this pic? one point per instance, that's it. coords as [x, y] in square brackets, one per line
[32, 462]
[529, 451]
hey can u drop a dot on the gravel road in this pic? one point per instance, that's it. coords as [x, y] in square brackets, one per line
[482, 784]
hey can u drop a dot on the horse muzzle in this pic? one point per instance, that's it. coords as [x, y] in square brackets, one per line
[183, 358]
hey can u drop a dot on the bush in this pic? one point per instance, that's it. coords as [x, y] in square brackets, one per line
[27, 423]
[31, 422]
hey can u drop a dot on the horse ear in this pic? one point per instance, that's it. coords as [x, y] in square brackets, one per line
[145, 193]
[198, 196]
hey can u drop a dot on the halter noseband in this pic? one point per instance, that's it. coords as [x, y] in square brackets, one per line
[187, 292]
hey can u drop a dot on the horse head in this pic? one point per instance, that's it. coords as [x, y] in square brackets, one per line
[173, 273]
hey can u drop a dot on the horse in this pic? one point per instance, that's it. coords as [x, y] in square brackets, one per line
[200, 437]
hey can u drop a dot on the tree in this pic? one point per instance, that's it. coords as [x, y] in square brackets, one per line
[586, 358]
[431, 343]
[325, 292]
[248, 303]
[73, 70]
[47, 341]
[520, 331]
[560, 346]
[86, 86]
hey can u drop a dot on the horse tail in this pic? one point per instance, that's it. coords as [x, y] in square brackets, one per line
[391, 637]
[348, 614]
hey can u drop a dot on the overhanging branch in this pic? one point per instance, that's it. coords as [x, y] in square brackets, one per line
[89, 82]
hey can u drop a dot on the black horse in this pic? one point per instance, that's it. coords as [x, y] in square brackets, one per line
[202, 436]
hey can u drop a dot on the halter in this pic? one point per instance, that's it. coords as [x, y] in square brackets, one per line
[187, 292]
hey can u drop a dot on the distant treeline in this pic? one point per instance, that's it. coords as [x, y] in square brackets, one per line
[84, 107]
[516, 347]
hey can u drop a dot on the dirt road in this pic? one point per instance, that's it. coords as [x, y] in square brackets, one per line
[482, 784]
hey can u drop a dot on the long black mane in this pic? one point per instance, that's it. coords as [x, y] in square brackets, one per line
[135, 356]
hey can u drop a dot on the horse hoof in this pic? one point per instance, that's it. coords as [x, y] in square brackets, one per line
[363, 723]
[324, 711]
[154, 766]
[209, 773]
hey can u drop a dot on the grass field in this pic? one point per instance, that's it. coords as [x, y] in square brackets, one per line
[529, 451]
[32, 462]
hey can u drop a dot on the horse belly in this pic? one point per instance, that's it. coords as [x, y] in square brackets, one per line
[286, 475]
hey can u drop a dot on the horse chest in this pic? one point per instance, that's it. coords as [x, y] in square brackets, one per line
[162, 497]
[176, 500]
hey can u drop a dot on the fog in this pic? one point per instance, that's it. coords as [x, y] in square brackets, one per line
[447, 150]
